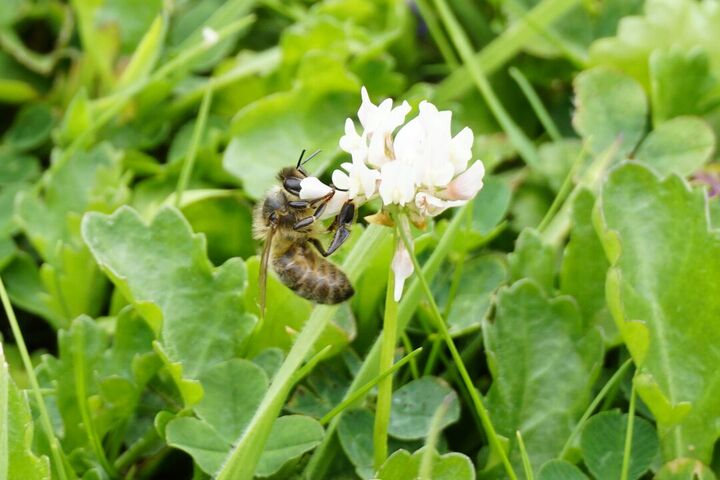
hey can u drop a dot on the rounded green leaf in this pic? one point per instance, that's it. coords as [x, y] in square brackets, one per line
[403, 466]
[610, 107]
[681, 145]
[560, 470]
[414, 404]
[685, 469]
[290, 437]
[603, 443]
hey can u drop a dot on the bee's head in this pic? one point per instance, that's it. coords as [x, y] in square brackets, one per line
[290, 177]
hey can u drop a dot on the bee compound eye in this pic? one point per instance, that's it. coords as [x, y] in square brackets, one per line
[292, 184]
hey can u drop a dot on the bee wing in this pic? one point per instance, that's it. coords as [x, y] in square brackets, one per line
[262, 275]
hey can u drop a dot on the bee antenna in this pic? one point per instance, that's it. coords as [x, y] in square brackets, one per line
[312, 155]
[300, 162]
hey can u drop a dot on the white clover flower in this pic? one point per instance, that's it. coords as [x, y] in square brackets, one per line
[423, 169]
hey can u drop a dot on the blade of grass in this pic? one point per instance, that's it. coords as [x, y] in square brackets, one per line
[525, 459]
[387, 355]
[536, 104]
[55, 449]
[189, 161]
[443, 330]
[563, 192]
[628, 436]
[243, 458]
[614, 380]
[504, 47]
[524, 146]
[4, 386]
[437, 33]
[357, 394]
[407, 345]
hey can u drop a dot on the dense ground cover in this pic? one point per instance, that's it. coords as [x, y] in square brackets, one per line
[563, 324]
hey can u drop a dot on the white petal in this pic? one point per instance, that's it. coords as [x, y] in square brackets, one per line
[367, 109]
[466, 185]
[402, 267]
[340, 179]
[397, 183]
[430, 205]
[461, 149]
[335, 204]
[312, 188]
[351, 141]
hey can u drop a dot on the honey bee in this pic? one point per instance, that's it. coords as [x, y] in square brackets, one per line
[290, 228]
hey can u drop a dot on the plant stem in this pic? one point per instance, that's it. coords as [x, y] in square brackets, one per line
[55, 449]
[387, 354]
[409, 348]
[525, 459]
[524, 146]
[136, 450]
[616, 377]
[243, 458]
[628, 436]
[189, 162]
[474, 395]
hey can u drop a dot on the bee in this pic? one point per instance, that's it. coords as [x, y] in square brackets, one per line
[290, 228]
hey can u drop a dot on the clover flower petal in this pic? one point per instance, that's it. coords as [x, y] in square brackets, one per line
[397, 183]
[466, 185]
[312, 188]
[402, 267]
[429, 205]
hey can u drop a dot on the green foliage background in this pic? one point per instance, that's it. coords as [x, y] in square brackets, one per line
[581, 286]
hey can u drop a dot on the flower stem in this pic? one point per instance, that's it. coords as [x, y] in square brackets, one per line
[387, 353]
[445, 334]
[628, 436]
[55, 450]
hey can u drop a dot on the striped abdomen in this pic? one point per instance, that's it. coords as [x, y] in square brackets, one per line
[310, 275]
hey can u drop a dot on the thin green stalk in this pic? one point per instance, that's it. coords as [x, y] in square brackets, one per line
[504, 47]
[524, 146]
[387, 355]
[525, 459]
[628, 436]
[81, 394]
[4, 393]
[310, 364]
[436, 32]
[356, 395]
[243, 458]
[189, 161]
[536, 104]
[616, 377]
[443, 330]
[55, 449]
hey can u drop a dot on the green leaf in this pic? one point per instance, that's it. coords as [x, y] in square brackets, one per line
[681, 145]
[472, 300]
[685, 469]
[610, 107]
[233, 391]
[584, 266]
[415, 403]
[450, 466]
[271, 132]
[162, 268]
[200, 440]
[666, 23]
[17, 459]
[675, 72]
[291, 436]
[533, 259]
[31, 127]
[656, 236]
[543, 364]
[355, 434]
[560, 470]
[145, 56]
[603, 443]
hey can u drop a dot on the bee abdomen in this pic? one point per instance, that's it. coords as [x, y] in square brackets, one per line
[311, 276]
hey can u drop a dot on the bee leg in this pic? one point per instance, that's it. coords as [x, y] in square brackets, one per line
[319, 246]
[341, 234]
[299, 204]
[307, 221]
